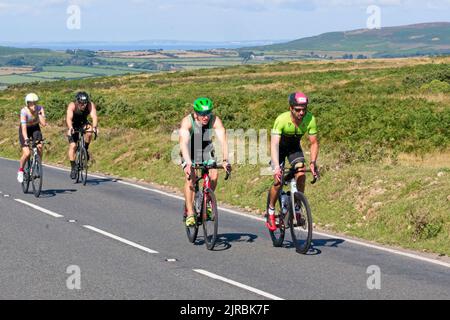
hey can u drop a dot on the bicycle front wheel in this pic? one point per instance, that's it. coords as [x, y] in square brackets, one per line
[37, 176]
[26, 177]
[210, 218]
[191, 232]
[83, 166]
[301, 224]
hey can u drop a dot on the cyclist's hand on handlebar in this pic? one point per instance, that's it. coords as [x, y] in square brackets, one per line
[27, 142]
[226, 166]
[314, 170]
[70, 132]
[277, 172]
[187, 168]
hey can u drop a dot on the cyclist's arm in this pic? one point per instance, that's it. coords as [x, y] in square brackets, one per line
[185, 137]
[275, 150]
[312, 134]
[314, 147]
[222, 136]
[94, 115]
[69, 115]
[23, 125]
[42, 119]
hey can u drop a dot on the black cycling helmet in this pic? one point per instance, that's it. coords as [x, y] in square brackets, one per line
[82, 97]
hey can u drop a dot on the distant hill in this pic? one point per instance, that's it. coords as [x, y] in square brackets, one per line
[417, 39]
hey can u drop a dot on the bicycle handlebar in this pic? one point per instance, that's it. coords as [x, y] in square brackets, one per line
[82, 131]
[293, 171]
[209, 167]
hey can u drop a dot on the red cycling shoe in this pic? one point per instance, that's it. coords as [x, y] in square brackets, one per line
[271, 223]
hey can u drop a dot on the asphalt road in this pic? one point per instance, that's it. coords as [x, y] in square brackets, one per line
[120, 240]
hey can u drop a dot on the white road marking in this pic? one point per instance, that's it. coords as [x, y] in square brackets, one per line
[237, 284]
[51, 213]
[368, 245]
[130, 243]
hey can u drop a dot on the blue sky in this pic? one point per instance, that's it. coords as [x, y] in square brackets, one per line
[203, 20]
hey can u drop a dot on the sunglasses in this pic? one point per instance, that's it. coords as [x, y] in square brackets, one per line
[204, 114]
[298, 110]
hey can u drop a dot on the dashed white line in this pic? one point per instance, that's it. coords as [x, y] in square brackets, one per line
[51, 213]
[237, 284]
[130, 243]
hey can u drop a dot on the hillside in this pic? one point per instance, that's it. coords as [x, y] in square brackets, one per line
[384, 133]
[417, 39]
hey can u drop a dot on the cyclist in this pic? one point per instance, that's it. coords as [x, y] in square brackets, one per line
[77, 118]
[287, 133]
[196, 147]
[32, 117]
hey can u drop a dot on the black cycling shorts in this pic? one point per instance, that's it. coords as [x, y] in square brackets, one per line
[76, 126]
[294, 154]
[33, 132]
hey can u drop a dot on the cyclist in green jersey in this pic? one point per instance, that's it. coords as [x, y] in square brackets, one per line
[196, 147]
[287, 133]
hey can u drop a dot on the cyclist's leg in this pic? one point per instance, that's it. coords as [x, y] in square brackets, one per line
[209, 156]
[88, 135]
[25, 156]
[25, 151]
[189, 192]
[37, 136]
[274, 191]
[73, 139]
[297, 159]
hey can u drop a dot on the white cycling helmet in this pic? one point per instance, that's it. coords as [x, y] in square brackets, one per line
[31, 97]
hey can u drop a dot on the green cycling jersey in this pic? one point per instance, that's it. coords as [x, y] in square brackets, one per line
[286, 128]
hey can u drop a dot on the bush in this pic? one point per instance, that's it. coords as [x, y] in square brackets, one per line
[436, 86]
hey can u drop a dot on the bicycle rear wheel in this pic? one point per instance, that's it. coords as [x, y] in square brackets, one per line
[26, 177]
[210, 218]
[277, 235]
[37, 176]
[301, 224]
[191, 232]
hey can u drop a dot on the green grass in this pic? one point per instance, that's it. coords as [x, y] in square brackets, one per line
[368, 112]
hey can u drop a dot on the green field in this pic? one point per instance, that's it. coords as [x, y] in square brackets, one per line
[14, 79]
[98, 70]
[378, 121]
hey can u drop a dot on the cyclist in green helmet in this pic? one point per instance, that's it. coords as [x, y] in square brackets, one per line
[196, 147]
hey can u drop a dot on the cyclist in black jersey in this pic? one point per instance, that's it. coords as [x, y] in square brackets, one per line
[77, 115]
[196, 147]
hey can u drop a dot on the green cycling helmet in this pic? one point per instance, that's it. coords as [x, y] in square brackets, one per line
[203, 106]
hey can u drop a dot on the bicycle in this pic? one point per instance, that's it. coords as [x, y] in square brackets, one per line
[204, 199]
[81, 159]
[294, 213]
[33, 171]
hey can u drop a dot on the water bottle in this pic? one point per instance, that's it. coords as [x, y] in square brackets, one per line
[284, 203]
